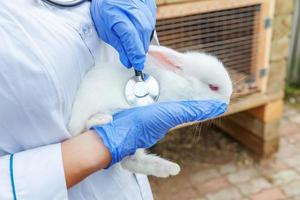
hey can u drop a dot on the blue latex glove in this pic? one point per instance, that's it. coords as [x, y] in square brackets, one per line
[127, 26]
[142, 127]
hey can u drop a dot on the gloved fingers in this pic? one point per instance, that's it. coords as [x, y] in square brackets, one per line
[108, 16]
[142, 127]
[204, 109]
[131, 42]
[123, 57]
[122, 53]
[165, 116]
[171, 114]
[152, 7]
[144, 22]
[190, 111]
[131, 22]
[98, 20]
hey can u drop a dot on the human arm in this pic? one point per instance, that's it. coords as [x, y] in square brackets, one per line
[82, 156]
[131, 129]
[43, 171]
[142, 127]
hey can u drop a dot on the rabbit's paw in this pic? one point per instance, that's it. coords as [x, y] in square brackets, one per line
[150, 164]
[166, 169]
[98, 119]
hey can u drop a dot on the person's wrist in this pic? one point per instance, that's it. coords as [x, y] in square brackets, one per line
[99, 156]
[103, 133]
[83, 155]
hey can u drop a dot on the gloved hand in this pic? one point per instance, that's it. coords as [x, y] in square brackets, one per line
[127, 26]
[142, 127]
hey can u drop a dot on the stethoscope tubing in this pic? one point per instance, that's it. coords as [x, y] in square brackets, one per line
[66, 4]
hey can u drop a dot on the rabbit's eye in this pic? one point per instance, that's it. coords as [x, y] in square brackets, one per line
[213, 87]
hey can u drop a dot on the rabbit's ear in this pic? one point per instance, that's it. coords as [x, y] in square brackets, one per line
[169, 58]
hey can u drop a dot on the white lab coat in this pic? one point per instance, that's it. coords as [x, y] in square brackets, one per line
[44, 53]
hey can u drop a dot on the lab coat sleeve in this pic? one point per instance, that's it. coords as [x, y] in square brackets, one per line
[38, 174]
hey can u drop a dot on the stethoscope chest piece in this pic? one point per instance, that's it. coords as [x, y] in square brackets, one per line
[142, 90]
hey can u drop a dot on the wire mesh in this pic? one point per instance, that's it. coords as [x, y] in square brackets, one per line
[232, 35]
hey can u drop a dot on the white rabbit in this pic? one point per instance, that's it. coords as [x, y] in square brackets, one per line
[182, 76]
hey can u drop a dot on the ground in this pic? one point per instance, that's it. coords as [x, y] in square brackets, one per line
[215, 167]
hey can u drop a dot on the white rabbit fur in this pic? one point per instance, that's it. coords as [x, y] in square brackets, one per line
[182, 76]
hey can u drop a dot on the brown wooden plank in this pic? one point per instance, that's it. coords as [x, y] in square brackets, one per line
[250, 140]
[264, 49]
[252, 101]
[276, 76]
[265, 131]
[268, 112]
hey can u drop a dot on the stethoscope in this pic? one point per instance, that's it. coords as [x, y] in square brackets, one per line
[141, 89]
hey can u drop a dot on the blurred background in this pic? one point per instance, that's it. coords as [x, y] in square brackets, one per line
[253, 152]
